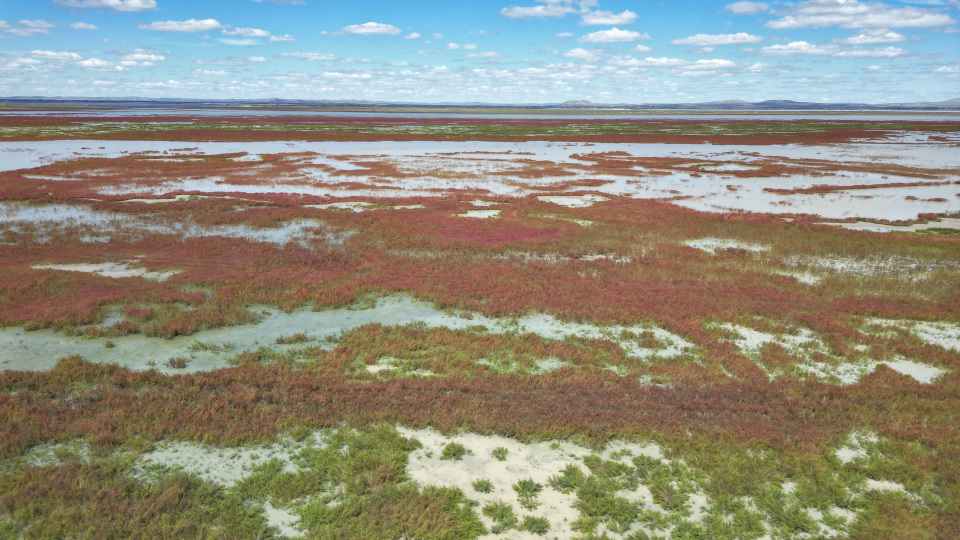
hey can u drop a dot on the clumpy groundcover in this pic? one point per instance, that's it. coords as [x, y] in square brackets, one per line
[589, 365]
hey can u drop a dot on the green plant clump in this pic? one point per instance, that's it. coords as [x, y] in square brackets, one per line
[454, 451]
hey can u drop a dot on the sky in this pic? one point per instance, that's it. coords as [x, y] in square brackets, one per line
[490, 51]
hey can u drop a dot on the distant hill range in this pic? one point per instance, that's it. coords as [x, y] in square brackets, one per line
[729, 105]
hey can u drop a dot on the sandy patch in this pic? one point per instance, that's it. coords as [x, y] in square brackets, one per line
[224, 466]
[535, 461]
[281, 519]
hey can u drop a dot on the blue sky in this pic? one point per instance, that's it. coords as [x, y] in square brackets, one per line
[494, 51]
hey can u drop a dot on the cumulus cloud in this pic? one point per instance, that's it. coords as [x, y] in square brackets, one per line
[371, 28]
[96, 64]
[116, 5]
[707, 40]
[564, 34]
[189, 25]
[854, 14]
[231, 61]
[82, 26]
[246, 32]
[836, 51]
[285, 37]
[608, 17]
[581, 54]
[747, 8]
[641, 48]
[613, 35]
[412, 35]
[212, 72]
[143, 56]
[488, 55]
[452, 46]
[869, 37]
[548, 8]
[312, 56]
[56, 55]
[25, 28]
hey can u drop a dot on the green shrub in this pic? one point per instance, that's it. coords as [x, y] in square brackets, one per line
[454, 451]
[482, 485]
[502, 515]
[527, 491]
[500, 453]
[535, 525]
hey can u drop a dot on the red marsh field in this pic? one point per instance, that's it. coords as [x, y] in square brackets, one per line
[399, 327]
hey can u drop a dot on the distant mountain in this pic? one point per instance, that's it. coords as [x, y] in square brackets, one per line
[579, 104]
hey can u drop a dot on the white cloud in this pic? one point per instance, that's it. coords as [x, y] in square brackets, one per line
[116, 5]
[412, 35]
[747, 8]
[564, 34]
[469, 46]
[25, 28]
[706, 40]
[613, 35]
[82, 26]
[641, 48]
[291, 2]
[312, 57]
[549, 9]
[246, 32]
[96, 64]
[212, 72]
[56, 55]
[581, 54]
[231, 61]
[436, 36]
[143, 56]
[371, 28]
[285, 37]
[835, 51]
[245, 42]
[608, 17]
[854, 14]
[452, 46]
[190, 25]
[869, 37]
[488, 55]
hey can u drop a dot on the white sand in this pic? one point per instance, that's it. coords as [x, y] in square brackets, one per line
[536, 461]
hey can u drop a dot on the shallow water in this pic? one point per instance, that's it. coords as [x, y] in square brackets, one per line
[40, 349]
[443, 167]
[614, 114]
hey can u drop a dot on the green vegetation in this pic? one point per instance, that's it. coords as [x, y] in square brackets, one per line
[454, 451]
[502, 515]
[482, 485]
[527, 491]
